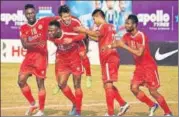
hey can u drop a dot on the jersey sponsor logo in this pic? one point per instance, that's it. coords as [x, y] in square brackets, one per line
[30, 38]
[159, 56]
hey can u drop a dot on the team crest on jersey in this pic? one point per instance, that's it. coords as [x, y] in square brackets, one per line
[78, 68]
[40, 27]
[42, 72]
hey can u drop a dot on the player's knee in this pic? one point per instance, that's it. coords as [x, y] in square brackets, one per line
[77, 85]
[62, 85]
[154, 93]
[134, 89]
[40, 83]
[108, 85]
[21, 83]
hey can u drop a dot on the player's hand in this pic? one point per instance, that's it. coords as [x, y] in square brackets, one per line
[106, 47]
[80, 29]
[67, 40]
[121, 44]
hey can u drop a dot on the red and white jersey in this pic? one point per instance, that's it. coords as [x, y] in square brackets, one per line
[136, 41]
[35, 33]
[59, 42]
[107, 36]
[69, 28]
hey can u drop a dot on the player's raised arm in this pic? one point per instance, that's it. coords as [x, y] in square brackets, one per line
[79, 37]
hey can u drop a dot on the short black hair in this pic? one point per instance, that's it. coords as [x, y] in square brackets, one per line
[55, 23]
[27, 6]
[133, 18]
[63, 9]
[98, 11]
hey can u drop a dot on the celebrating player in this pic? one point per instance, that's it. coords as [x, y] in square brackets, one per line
[68, 62]
[109, 60]
[33, 38]
[136, 42]
[67, 23]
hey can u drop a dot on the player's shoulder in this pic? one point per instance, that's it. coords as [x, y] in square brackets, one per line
[141, 34]
[103, 26]
[42, 19]
[127, 34]
[75, 20]
[24, 26]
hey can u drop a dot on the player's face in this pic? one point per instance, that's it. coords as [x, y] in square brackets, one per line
[53, 31]
[109, 4]
[96, 20]
[97, 4]
[30, 15]
[122, 5]
[66, 17]
[129, 25]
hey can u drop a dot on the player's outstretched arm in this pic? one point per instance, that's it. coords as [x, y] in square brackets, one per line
[92, 34]
[79, 37]
[93, 38]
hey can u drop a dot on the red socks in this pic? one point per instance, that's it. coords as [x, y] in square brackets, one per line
[79, 96]
[118, 97]
[163, 104]
[27, 93]
[110, 100]
[143, 98]
[86, 64]
[68, 93]
[42, 96]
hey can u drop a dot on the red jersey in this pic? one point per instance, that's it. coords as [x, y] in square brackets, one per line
[63, 48]
[107, 36]
[35, 33]
[69, 28]
[136, 41]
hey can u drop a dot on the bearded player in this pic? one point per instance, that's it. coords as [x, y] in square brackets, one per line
[33, 36]
[146, 73]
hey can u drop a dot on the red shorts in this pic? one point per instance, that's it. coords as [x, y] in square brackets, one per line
[34, 63]
[82, 47]
[68, 62]
[147, 76]
[109, 67]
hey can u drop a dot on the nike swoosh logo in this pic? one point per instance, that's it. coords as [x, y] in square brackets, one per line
[159, 56]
